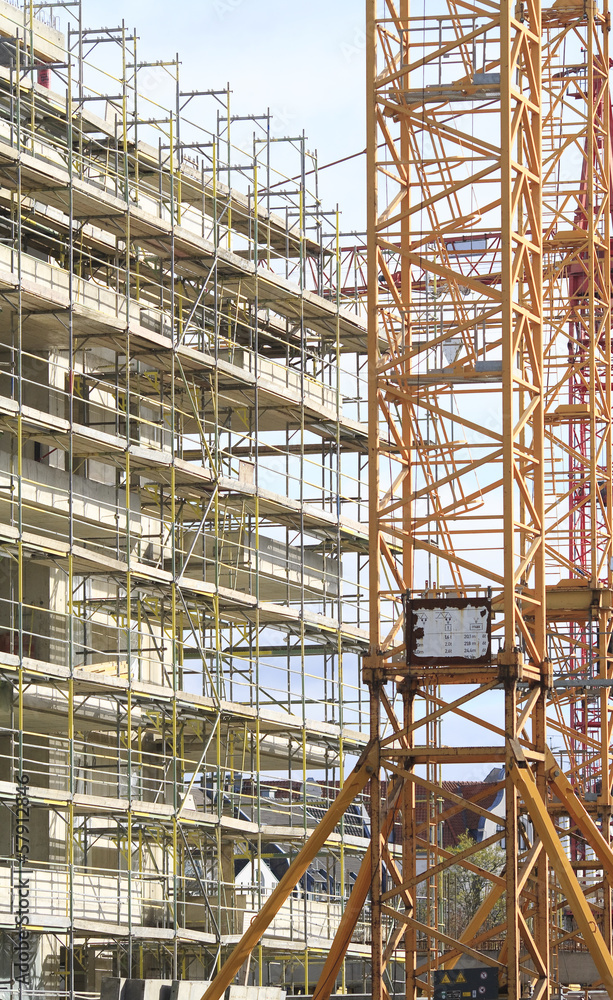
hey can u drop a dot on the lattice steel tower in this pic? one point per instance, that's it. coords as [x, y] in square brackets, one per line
[490, 285]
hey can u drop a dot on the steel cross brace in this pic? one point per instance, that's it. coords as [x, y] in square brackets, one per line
[523, 779]
[367, 765]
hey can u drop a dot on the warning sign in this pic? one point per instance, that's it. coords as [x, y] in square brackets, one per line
[466, 984]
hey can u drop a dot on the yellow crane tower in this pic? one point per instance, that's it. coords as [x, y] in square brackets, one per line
[491, 560]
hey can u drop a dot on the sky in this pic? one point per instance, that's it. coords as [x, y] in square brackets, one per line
[303, 61]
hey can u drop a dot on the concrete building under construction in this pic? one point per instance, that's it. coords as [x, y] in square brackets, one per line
[258, 641]
[182, 534]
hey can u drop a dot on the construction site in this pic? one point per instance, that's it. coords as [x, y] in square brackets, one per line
[306, 543]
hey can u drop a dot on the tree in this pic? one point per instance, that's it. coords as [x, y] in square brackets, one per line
[464, 890]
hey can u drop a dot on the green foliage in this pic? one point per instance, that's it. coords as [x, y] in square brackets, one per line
[464, 890]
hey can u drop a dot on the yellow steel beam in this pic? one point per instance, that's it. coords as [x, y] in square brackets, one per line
[578, 812]
[361, 774]
[355, 904]
[523, 780]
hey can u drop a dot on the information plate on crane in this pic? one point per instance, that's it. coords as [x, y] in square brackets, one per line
[460, 984]
[448, 631]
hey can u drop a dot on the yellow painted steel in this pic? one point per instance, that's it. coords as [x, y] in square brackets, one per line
[524, 781]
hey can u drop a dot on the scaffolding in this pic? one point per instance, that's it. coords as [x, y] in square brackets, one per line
[183, 533]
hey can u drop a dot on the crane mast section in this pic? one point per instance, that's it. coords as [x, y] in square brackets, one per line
[489, 183]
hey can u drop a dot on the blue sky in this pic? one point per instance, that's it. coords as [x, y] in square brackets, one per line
[304, 61]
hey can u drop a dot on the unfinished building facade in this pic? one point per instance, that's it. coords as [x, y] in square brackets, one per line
[182, 535]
